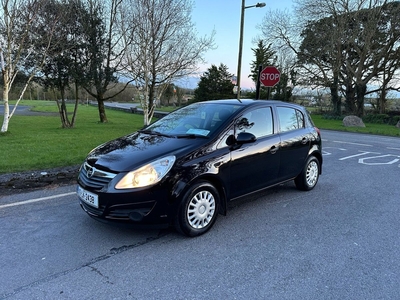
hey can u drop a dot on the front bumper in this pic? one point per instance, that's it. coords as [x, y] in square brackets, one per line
[99, 199]
[114, 208]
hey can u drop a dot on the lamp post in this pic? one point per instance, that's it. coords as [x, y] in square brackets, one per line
[239, 70]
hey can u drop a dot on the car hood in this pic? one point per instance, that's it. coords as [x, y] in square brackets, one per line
[132, 151]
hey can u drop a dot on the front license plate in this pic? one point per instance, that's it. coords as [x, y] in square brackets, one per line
[88, 197]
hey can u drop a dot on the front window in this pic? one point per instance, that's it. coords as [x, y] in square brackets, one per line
[258, 122]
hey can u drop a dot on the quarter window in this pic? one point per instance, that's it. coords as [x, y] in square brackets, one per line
[290, 118]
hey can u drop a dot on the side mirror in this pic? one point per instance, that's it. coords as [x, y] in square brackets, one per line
[245, 138]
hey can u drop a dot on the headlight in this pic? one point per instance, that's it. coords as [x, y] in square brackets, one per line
[147, 175]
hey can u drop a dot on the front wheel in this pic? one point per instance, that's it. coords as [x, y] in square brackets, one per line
[199, 209]
[308, 178]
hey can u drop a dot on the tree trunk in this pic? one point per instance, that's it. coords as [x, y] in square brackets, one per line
[151, 104]
[361, 89]
[336, 101]
[350, 96]
[383, 93]
[382, 101]
[6, 119]
[63, 111]
[76, 105]
[102, 110]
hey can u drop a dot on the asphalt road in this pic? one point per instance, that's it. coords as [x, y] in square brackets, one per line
[20, 109]
[338, 241]
[25, 110]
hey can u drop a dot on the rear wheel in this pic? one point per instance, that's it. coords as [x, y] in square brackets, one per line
[199, 209]
[308, 178]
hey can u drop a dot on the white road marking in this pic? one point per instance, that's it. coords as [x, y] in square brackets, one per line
[362, 160]
[357, 144]
[355, 155]
[36, 200]
[329, 153]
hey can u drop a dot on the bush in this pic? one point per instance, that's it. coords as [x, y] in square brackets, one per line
[332, 117]
[386, 119]
[389, 119]
[377, 118]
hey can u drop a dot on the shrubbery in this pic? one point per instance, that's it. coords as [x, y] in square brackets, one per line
[332, 117]
[389, 119]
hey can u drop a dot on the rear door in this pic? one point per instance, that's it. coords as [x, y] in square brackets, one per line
[295, 141]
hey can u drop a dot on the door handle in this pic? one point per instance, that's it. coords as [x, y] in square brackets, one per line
[304, 140]
[273, 149]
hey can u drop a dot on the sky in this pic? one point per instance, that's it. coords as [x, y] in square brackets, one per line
[224, 17]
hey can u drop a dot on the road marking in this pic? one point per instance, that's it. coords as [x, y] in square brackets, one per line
[355, 155]
[362, 160]
[357, 144]
[329, 153]
[36, 200]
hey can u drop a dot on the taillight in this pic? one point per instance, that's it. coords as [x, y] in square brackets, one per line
[317, 129]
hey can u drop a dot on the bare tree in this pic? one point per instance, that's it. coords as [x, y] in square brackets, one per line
[162, 46]
[19, 31]
[343, 45]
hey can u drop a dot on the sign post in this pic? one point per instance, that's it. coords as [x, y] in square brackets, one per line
[258, 82]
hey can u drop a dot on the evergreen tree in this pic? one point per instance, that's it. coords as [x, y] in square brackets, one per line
[216, 83]
[264, 57]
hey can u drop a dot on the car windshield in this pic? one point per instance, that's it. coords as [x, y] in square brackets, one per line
[198, 119]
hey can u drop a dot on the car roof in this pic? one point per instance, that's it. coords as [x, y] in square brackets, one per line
[251, 102]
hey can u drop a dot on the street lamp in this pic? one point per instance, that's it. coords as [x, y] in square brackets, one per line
[239, 70]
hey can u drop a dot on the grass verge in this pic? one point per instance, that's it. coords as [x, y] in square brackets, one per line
[39, 142]
[378, 129]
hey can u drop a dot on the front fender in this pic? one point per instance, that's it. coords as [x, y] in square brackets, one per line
[212, 167]
[183, 185]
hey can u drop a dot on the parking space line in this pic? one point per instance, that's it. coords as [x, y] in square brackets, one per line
[36, 200]
[357, 144]
[359, 154]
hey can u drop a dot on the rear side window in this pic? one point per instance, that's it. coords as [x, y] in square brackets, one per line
[290, 118]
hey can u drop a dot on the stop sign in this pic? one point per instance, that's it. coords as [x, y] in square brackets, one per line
[270, 76]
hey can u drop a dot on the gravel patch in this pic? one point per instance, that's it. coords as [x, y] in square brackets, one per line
[12, 183]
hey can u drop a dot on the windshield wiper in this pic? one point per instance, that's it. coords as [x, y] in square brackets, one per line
[190, 136]
[152, 132]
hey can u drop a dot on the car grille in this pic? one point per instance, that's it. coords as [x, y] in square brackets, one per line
[94, 178]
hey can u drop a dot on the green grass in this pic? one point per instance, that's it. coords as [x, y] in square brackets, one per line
[379, 129]
[39, 142]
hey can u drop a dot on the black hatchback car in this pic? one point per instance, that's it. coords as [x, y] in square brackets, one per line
[184, 168]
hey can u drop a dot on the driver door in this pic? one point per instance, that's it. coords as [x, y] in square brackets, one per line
[255, 165]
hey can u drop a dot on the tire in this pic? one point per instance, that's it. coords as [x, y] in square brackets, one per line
[308, 178]
[198, 210]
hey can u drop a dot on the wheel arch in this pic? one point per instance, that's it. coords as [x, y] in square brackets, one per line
[317, 155]
[183, 187]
